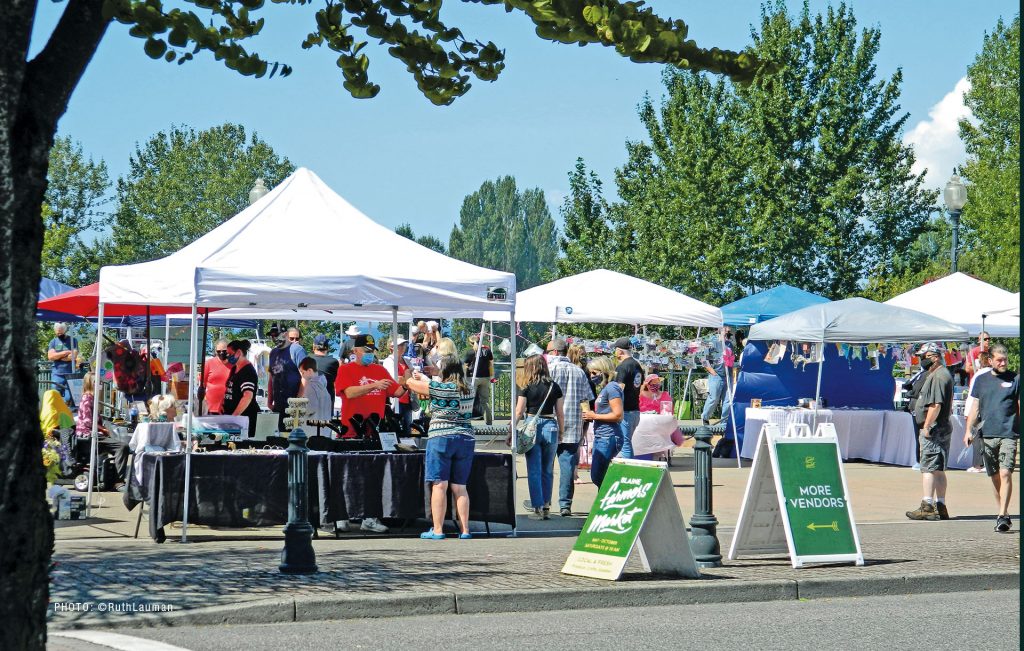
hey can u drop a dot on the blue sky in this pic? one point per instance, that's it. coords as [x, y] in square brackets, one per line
[400, 159]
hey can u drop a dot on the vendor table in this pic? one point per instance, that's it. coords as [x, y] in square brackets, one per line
[654, 433]
[251, 490]
[873, 435]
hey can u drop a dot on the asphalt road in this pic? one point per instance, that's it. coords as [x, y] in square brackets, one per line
[989, 620]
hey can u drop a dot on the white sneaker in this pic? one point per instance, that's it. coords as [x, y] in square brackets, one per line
[341, 526]
[374, 525]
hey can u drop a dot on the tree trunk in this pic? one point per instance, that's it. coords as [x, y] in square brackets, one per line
[33, 96]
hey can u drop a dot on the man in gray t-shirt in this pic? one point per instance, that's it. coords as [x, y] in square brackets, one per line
[997, 410]
[933, 408]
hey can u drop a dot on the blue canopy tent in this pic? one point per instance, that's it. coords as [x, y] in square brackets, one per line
[768, 304]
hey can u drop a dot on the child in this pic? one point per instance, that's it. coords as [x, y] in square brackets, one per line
[314, 389]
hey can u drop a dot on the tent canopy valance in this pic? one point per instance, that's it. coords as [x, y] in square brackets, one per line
[857, 321]
[263, 258]
[603, 296]
[963, 300]
[768, 304]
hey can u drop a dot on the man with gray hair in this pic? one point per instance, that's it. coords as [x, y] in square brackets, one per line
[575, 386]
[62, 351]
[933, 408]
[997, 402]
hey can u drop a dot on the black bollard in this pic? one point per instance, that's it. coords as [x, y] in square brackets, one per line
[703, 525]
[298, 556]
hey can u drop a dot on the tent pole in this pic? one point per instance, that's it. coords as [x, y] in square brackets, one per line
[512, 415]
[202, 360]
[188, 421]
[686, 386]
[394, 341]
[149, 353]
[97, 388]
[490, 341]
[729, 393]
[167, 343]
[479, 346]
[817, 390]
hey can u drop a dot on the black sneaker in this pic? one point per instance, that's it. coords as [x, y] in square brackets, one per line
[1003, 523]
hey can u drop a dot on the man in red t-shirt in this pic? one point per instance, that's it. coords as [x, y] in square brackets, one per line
[973, 365]
[364, 385]
[215, 377]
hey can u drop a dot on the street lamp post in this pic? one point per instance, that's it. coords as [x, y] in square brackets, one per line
[259, 190]
[955, 196]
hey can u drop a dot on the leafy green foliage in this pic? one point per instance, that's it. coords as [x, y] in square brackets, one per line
[799, 176]
[441, 59]
[181, 185]
[502, 228]
[74, 201]
[429, 241]
[991, 217]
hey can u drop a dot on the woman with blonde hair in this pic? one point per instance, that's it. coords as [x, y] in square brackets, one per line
[163, 408]
[542, 398]
[606, 416]
[450, 442]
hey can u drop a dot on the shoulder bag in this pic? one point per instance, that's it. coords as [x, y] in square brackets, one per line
[526, 429]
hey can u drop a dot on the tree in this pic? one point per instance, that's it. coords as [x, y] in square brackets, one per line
[429, 241]
[991, 217]
[586, 233]
[76, 190]
[502, 228]
[34, 94]
[182, 184]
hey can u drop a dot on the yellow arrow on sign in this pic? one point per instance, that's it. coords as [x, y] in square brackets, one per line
[814, 527]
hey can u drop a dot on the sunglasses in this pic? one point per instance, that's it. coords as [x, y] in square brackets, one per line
[294, 338]
[222, 353]
[986, 338]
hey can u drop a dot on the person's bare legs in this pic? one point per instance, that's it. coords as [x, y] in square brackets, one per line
[439, 504]
[1003, 484]
[938, 485]
[461, 506]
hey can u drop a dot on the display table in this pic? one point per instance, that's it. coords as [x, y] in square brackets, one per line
[654, 433]
[872, 435]
[251, 490]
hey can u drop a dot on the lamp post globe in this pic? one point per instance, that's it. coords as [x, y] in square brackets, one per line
[955, 196]
[259, 190]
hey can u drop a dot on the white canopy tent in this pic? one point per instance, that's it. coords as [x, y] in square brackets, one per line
[965, 301]
[855, 321]
[261, 259]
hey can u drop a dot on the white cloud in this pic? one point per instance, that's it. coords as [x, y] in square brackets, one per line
[936, 140]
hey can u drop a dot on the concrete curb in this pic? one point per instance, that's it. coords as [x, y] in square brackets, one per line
[649, 593]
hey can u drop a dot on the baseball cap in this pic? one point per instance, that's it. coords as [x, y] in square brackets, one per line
[401, 340]
[274, 330]
[929, 347]
[320, 340]
[623, 343]
[364, 341]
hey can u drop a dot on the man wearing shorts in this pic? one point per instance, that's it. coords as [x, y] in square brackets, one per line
[997, 410]
[933, 409]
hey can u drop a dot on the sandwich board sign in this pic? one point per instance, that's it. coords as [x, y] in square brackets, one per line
[797, 500]
[635, 507]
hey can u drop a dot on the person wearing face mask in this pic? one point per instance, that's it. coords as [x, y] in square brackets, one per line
[607, 416]
[630, 376]
[916, 383]
[215, 377]
[651, 395]
[240, 388]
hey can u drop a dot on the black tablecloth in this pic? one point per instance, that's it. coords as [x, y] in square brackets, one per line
[249, 490]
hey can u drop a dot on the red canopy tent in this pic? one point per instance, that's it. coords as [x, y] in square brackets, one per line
[85, 301]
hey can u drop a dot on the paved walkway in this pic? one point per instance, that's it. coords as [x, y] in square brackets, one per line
[232, 575]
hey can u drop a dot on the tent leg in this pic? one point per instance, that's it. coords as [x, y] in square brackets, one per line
[490, 342]
[97, 386]
[512, 417]
[167, 346]
[817, 390]
[686, 386]
[730, 391]
[394, 341]
[193, 344]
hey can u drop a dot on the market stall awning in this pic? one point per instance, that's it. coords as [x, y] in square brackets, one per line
[603, 296]
[271, 256]
[49, 288]
[857, 321]
[84, 302]
[962, 299]
[768, 304]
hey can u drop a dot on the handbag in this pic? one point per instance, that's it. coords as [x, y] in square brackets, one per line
[526, 430]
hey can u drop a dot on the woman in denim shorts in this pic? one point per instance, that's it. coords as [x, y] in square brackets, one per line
[450, 442]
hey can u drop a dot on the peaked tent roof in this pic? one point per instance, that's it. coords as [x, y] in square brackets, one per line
[856, 321]
[768, 304]
[603, 296]
[962, 299]
[84, 302]
[49, 288]
[255, 260]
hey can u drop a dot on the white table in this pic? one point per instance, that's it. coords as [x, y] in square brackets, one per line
[883, 436]
[654, 433]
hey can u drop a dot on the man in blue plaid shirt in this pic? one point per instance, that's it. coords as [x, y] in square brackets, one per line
[575, 386]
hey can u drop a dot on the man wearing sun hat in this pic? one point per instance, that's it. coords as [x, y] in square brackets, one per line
[933, 409]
